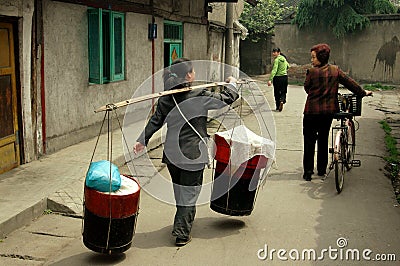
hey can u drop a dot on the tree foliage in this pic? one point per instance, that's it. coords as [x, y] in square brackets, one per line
[260, 20]
[340, 16]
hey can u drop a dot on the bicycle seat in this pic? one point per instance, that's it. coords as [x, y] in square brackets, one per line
[342, 115]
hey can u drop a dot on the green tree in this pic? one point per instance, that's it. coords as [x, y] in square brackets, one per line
[340, 16]
[260, 20]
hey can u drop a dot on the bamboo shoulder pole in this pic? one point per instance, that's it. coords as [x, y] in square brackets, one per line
[112, 106]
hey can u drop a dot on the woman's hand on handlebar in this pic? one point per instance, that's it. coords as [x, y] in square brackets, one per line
[368, 93]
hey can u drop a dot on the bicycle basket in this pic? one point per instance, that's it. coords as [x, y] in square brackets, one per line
[350, 103]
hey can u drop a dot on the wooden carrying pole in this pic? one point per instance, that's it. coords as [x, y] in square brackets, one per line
[112, 106]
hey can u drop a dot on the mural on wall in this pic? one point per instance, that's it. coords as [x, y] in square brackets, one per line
[387, 55]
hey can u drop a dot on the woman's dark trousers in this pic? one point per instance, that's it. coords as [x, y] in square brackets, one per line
[316, 129]
[280, 89]
[187, 187]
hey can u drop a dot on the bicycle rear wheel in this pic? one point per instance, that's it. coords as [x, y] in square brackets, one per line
[340, 163]
[351, 144]
[339, 176]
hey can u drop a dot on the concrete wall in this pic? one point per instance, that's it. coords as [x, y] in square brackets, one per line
[70, 100]
[219, 11]
[368, 56]
[255, 57]
[216, 44]
[195, 41]
[188, 8]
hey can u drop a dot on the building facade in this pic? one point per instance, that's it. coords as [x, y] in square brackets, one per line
[60, 60]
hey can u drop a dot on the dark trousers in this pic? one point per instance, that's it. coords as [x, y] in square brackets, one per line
[187, 187]
[316, 129]
[280, 89]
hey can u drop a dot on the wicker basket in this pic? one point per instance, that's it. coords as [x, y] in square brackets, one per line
[350, 103]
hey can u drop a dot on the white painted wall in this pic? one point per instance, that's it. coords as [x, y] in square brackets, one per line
[70, 99]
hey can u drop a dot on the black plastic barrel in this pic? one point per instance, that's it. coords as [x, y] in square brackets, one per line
[110, 218]
[233, 193]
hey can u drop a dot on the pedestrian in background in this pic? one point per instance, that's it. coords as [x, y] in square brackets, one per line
[185, 152]
[279, 78]
[322, 85]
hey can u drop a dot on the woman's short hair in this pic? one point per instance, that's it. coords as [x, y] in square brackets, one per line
[181, 67]
[322, 51]
[175, 74]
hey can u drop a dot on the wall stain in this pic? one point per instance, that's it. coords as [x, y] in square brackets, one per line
[387, 54]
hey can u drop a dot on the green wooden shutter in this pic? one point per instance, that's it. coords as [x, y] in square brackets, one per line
[107, 44]
[95, 46]
[118, 50]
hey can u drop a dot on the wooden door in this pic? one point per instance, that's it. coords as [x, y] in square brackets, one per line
[9, 141]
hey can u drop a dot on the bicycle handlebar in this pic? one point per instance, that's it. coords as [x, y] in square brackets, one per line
[353, 94]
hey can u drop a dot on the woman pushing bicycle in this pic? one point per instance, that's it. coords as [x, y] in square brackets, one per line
[322, 85]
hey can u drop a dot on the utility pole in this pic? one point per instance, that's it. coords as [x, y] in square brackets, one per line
[229, 35]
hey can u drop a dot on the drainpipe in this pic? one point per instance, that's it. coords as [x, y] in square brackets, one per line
[43, 98]
[229, 36]
[152, 57]
[39, 6]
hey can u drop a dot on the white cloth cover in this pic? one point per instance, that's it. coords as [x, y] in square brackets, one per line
[128, 186]
[245, 144]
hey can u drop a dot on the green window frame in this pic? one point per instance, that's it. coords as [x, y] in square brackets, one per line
[106, 41]
[173, 31]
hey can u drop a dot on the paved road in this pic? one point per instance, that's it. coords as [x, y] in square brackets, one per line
[290, 214]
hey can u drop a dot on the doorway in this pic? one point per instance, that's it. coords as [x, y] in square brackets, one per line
[9, 129]
[172, 41]
[172, 51]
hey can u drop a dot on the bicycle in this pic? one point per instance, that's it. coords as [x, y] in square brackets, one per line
[344, 141]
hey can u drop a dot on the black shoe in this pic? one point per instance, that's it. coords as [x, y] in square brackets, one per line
[321, 173]
[280, 108]
[180, 242]
[307, 177]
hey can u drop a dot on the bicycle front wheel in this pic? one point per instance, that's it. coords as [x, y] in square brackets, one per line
[351, 144]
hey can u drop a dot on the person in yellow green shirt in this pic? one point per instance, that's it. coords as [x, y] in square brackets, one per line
[279, 78]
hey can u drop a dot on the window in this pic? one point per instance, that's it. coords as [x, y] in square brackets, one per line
[172, 31]
[106, 46]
